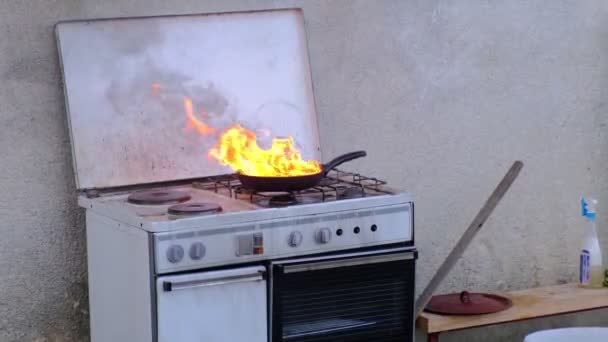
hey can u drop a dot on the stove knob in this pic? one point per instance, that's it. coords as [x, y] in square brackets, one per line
[295, 239]
[197, 251]
[323, 235]
[175, 254]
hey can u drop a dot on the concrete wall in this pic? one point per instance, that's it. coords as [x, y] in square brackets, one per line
[442, 94]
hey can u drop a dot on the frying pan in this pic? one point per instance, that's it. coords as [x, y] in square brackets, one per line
[295, 183]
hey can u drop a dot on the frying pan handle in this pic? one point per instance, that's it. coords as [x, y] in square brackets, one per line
[342, 159]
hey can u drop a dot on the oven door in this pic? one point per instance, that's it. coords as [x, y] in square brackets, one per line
[359, 297]
[215, 306]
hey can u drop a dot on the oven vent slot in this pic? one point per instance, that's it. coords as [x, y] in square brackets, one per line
[322, 327]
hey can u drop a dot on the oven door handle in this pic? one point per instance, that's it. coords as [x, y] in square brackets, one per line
[169, 286]
[321, 265]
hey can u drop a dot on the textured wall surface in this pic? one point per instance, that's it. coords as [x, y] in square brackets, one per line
[442, 94]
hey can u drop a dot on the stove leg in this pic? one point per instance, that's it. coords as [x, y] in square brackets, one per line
[434, 337]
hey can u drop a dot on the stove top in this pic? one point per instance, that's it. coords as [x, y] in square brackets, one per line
[346, 210]
[225, 194]
[174, 202]
[213, 198]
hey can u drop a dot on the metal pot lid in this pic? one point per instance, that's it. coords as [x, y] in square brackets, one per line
[465, 303]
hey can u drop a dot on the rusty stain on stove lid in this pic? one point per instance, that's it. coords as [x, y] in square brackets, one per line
[125, 80]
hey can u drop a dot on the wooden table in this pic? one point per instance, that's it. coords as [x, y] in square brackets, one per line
[527, 304]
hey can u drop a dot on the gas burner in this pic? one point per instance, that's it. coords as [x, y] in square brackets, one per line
[194, 209]
[278, 200]
[158, 197]
[350, 192]
[282, 200]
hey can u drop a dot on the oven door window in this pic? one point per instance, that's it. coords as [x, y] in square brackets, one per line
[357, 299]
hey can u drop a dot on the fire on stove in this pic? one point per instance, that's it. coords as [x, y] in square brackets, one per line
[336, 185]
[277, 168]
[237, 146]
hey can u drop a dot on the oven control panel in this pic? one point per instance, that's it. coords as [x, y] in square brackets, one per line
[250, 244]
[278, 238]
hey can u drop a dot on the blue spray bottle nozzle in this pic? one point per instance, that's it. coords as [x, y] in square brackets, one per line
[588, 208]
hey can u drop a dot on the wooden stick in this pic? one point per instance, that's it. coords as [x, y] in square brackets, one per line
[468, 236]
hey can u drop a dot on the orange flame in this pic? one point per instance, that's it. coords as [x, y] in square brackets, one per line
[238, 148]
[155, 88]
[194, 122]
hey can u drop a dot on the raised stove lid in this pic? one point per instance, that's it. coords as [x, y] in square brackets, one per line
[125, 81]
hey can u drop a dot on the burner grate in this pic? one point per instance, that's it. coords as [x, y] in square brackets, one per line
[217, 183]
[337, 185]
[371, 183]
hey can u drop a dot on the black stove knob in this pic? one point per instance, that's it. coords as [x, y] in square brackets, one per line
[175, 253]
[197, 251]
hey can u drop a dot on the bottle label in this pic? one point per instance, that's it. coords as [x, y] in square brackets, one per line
[585, 274]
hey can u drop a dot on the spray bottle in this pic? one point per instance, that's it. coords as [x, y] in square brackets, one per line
[591, 269]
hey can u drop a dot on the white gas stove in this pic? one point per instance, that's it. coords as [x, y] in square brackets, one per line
[178, 249]
[217, 222]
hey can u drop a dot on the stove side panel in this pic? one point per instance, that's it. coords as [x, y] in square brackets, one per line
[120, 291]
